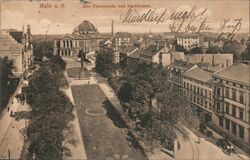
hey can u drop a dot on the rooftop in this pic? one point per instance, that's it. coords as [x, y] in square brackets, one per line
[238, 72]
[199, 74]
[123, 35]
[135, 55]
[127, 49]
[85, 28]
[151, 50]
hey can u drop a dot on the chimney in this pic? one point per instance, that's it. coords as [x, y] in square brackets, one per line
[213, 60]
[112, 28]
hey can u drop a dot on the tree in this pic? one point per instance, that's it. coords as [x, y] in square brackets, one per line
[196, 50]
[245, 55]
[180, 48]
[42, 47]
[143, 83]
[125, 92]
[234, 48]
[51, 109]
[104, 64]
[214, 50]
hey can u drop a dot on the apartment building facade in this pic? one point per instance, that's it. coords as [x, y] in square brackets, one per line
[197, 88]
[232, 102]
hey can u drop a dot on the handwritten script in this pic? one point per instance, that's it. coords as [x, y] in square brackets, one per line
[192, 21]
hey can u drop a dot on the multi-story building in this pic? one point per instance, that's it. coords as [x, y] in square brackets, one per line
[85, 37]
[155, 54]
[123, 39]
[16, 45]
[189, 41]
[232, 102]
[197, 87]
[176, 69]
[108, 47]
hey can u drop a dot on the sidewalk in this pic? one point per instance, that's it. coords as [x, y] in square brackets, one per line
[77, 149]
[12, 131]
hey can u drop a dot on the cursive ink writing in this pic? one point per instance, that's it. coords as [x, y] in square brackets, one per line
[133, 16]
[225, 25]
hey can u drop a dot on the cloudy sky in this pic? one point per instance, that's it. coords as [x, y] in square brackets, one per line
[16, 13]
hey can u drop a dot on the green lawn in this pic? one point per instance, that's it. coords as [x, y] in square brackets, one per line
[74, 73]
[105, 135]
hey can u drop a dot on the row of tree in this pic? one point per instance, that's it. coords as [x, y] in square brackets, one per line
[150, 100]
[51, 108]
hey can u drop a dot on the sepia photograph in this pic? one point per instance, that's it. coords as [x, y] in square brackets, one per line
[124, 80]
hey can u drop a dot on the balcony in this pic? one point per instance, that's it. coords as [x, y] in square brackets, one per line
[220, 113]
[218, 97]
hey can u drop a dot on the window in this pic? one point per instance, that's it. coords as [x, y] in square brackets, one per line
[205, 92]
[205, 104]
[191, 87]
[188, 86]
[241, 113]
[201, 92]
[227, 124]
[221, 122]
[242, 97]
[241, 132]
[184, 84]
[227, 92]
[194, 89]
[234, 111]
[218, 91]
[233, 127]
[227, 108]
[234, 94]
[218, 105]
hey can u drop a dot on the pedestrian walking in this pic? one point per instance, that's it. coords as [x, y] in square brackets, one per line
[8, 109]
[11, 113]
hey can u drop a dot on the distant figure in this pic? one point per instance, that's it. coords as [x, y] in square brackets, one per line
[11, 113]
[8, 109]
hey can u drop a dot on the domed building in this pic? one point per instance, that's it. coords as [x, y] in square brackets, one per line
[85, 28]
[84, 37]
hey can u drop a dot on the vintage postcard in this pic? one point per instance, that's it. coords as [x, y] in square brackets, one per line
[125, 80]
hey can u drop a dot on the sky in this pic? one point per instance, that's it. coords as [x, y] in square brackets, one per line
[70, 13]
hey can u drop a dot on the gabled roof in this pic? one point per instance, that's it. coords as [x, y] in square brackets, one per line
[238, 72]
[199, 74]
[127, 49]
[135, 55]
[151, 50]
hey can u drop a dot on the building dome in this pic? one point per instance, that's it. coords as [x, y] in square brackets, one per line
[85, 28]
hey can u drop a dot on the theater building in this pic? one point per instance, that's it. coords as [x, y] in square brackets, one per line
[85, 36]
